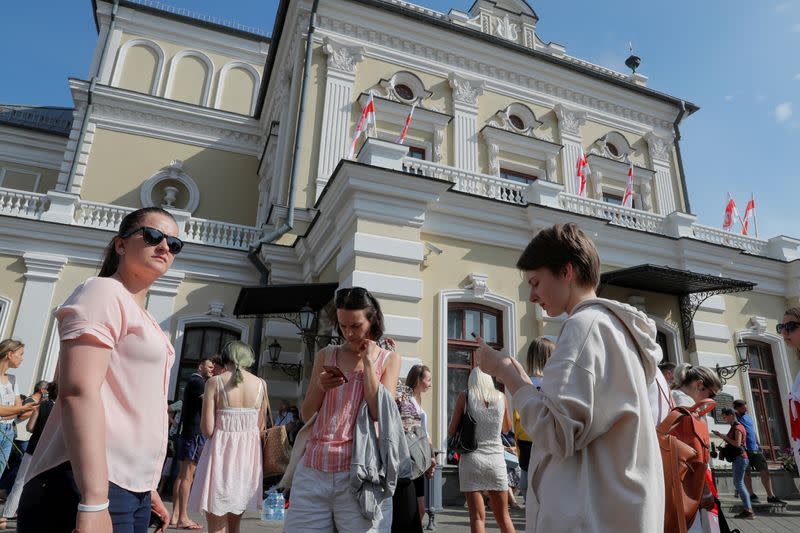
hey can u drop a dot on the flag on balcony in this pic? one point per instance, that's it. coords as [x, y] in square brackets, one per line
[627, 200]
[582, 168]
[731, 214]
[749, 212]
[367, 117]
[407, 124]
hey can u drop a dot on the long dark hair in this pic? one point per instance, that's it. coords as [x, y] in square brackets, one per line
[131, 221]
[415, 375]
[359, 298]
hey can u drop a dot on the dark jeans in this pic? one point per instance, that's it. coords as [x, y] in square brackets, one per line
[49, 503]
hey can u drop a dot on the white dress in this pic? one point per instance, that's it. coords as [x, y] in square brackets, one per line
[485, 468]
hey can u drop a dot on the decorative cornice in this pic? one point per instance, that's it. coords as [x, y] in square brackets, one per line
[168, 284]
[133, 112]
[465, 91]
[43, 267]
[342, 58]
[658, 146]
[492, 72]
[569, 120]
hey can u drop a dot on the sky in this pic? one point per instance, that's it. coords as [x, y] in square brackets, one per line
[736, 59]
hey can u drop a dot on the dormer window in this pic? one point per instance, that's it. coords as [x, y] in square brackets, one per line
[404, 92]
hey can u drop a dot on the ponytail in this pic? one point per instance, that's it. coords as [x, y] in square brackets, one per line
[238, 354]
[686, 373]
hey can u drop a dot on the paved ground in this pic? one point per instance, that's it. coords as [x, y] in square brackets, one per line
[456, 520]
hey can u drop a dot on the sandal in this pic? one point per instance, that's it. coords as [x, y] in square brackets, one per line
[746, 515]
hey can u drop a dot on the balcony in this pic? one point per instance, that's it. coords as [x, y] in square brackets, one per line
[69, 209]
[550, 194]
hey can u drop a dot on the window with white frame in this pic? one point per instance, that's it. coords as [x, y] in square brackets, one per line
[20, 179]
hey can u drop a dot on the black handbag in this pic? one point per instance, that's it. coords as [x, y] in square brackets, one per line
[730, 453]
[463, 440]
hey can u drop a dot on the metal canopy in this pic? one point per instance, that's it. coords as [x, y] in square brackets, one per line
[283, 299]
[692, 288]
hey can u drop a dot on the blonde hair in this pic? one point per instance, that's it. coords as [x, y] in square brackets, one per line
[539, 352]
[9, 345]
[238, 354]
[794, 312]
[686, 373]
[481, 390]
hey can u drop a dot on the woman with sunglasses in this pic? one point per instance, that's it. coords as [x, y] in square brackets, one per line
[99, 458]
[343, 377]
[789, 328]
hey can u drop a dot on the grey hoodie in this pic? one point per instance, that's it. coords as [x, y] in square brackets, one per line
[595, 463]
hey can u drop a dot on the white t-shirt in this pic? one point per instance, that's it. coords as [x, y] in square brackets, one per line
[8, 396]
[422, 414]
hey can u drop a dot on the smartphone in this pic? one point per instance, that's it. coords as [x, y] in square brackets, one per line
[155, 520]
[335, 371]
[474, 335]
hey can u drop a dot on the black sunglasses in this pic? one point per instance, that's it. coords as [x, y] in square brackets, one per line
[152, 237]
[788, 327]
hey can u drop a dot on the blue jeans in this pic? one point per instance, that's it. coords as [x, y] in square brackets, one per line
[740, 465]
[6, 441]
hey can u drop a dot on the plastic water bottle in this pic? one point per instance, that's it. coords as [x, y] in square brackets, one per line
[268, 508]
[279, 506]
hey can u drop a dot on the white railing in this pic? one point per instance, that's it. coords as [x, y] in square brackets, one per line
[102, 216]
[615, 214]
[21, 204]
[749, 244]
[223, 234]
[484, 185]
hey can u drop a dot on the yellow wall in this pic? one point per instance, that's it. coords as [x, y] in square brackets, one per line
[121, 162]
[19, 177]
[12, 282]
[140, 69]
[237, 93]
[190, 79]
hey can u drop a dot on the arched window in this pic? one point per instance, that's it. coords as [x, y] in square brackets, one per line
[464, 319]
[200, 341]
[767, 407]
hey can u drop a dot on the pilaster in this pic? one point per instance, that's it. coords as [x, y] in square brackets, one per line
[660, 148]
[569, 129]
[465, 113]
[35, 308]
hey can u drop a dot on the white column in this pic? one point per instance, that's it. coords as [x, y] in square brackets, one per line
[161, 304]
[569, 128]
[465, 112]
[335, 134]
[35, 309]
[660, 148]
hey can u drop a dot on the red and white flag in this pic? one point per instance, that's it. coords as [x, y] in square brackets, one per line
[582, 170]
[749, 212]
[407, 124]
[627, 200]
[731, 214]
[367, 117]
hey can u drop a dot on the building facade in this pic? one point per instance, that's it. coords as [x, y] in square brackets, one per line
[247, 140]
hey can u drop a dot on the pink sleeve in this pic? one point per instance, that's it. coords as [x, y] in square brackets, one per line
[94, 309]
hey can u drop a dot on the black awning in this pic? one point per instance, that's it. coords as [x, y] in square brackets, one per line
[691, 288]
[670, 280]
[272, 299]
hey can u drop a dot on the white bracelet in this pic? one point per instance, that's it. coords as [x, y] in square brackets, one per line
[83, 508]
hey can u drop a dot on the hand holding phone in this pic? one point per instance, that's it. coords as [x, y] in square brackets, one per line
[334, 371]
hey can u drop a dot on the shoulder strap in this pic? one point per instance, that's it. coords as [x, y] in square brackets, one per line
[261, 386]
[221, 387]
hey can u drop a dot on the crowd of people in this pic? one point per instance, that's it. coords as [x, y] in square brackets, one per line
[579, 436]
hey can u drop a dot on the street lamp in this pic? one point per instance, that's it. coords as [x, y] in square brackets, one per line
[294, 370]
[307, 316]
[274, 351]
[725, 372]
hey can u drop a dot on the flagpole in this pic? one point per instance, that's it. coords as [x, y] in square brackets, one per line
[755, 224]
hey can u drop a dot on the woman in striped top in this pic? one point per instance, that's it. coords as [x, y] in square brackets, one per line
[321, 498]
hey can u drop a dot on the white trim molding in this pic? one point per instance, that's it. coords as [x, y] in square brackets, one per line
[206, 83]
[673, 336]
[201, 320]
[221, 83]
[5, 312]
[173, 171]
[522, 145]
[509, 309]
[780, 358]
[123, 53]
[37, 176]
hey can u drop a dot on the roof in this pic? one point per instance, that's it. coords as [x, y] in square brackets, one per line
[275, 299]
[670, 280]
[55, 120]
[189, 17]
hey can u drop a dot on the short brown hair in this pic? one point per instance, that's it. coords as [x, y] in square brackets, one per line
[558, 245]
[415, 375]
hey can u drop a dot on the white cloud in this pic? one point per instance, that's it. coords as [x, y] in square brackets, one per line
[797, 77]
[783, 6]
[783, 111]
[796, 28]
[729, 98]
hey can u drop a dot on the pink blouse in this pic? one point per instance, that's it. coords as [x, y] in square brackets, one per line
[134, 392]
[330, 446]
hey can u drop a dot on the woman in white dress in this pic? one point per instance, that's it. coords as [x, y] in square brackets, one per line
[485, 468]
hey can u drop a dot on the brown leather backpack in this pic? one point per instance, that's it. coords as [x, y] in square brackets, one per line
[685, 448]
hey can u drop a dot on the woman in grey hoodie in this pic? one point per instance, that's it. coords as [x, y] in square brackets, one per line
[596, 466]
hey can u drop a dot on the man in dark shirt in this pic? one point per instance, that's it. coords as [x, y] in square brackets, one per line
[190, 445]
[757, 460]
